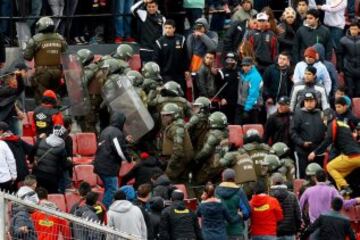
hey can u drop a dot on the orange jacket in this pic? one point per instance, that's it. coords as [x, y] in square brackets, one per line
[48, 227]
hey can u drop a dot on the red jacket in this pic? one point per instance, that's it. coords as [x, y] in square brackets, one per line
[265, 213]
[48, 227]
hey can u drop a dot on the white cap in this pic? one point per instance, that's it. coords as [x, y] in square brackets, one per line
[262, 16]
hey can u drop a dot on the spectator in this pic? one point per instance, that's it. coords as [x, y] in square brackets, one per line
[301, 9]
[35, 10]
[177, 221]
[157, 204]
[65, 181]
[246, 50]
[229, 75]
[307, 131]
[55, 226]
[287, 30]
[27, 191]
[87, 211]
[332, 225]
[150, 27]
[47, 115]
[206, 77]
[194, 10]
[334, 19]
[340, 135]
[272, 21]
[123, 22]
[170, 55]
[249, 93]
[8, 167]
[277, 79]
[234, 36]
[199, 43]
[129, 192]
[213, 214]
[162, 186]
[20, 150]
[290, 225]
[266, 212]
[50, 159]
[11, 88]
[320, 196]
[2, 49]
[330, 67]
[265, 51]
[57, 8]
[142, 171]
[311, 33]
[312, 59]
[277, 125]
[125, 217]
[235, 201]
[112, 150]
[83, 190]
[299, 90]
[344, 113]
[350, 59]
[244, 12]
[143, 196]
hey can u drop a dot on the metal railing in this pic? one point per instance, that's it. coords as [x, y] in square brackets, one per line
[77, 228]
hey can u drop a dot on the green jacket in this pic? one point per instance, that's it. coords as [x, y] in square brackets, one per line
[194, 4]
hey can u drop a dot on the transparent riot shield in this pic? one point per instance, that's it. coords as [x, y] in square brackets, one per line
[77, 92]
[121, 96]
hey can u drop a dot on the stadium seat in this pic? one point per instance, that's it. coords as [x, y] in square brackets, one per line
[356, 107]
[84, 173]
[82, 160]
[297, 184]
[99, 181]
[218, 60]
[59, 200]
[86, 144]
[27, 125]
[74, 144]
[100, 191]
[258, 127]
[28, 139]
[236, 135]
[182, 188]
[191, 204]
[135, 62]
[125, 168]
[71, 197]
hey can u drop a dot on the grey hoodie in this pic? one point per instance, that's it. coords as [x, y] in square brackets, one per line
[125, 217]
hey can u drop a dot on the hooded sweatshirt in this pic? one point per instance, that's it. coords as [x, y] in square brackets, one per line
[112, 148]
[266, 212]
[126, 217]
[7, 163]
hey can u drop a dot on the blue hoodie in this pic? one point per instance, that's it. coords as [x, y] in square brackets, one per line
[251, 86]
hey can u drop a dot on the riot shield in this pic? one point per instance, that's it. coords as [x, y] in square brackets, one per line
[77, 92]
[123, 98]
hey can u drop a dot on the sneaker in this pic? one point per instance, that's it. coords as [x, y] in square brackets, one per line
[83, 40]
[118, 40]
[346, 191]
[130, 39]
[78, 41]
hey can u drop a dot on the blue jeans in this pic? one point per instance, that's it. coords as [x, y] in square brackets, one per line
[123, 23]
[5, 11]
[336, 34]
[111, 185]
[57, 8]
[193, 14]
[64, 181]
[36, 6]
[290, 237]
[263, 238]
[351, 8]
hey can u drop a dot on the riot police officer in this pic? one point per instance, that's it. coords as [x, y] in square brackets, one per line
[176, 147]
[198, 124]
[45, 48]
[287, 168]
[152, 79]
[207, 167]
[123, 54]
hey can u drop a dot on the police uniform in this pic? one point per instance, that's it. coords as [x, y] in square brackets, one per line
[198, 126]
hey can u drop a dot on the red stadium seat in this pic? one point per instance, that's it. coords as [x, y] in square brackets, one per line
[298, 183]
[218, 60]
[59, 200]
[99, 181]
[182, 188]
[356, 107]
[100, 191]
[27, 125]
[86, 144]
[135, 62]
[82, 160]
[191, 203]
[74, 144]
[29, 140]
[258, 127]
[236, 135]
[71, 197]
[84, 173]
[125, 168]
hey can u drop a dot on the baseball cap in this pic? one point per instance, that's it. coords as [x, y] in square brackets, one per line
[247, 61]
[284, 100]
[310, 52]
[228, 174]
[262, 17]
[309, 96]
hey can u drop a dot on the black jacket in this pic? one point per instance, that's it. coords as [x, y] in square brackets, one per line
[2, 49]
[332, 226]
[232, 78]
[349, 48]
[178, 222]
[349, 118]
[20, 149]
[307, 126]
[162, 187]
[111, 144]
[306, 37]
[277, 128]
[234, 36]
[142, 172]
[286, 38]
[146, 215]
[8, 96]
[340, 134]
[277, 83]
[156, 206]
[170, 54]
[291, 222]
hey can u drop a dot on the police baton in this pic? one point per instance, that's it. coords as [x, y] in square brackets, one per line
[11, 73]
[218, 92]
